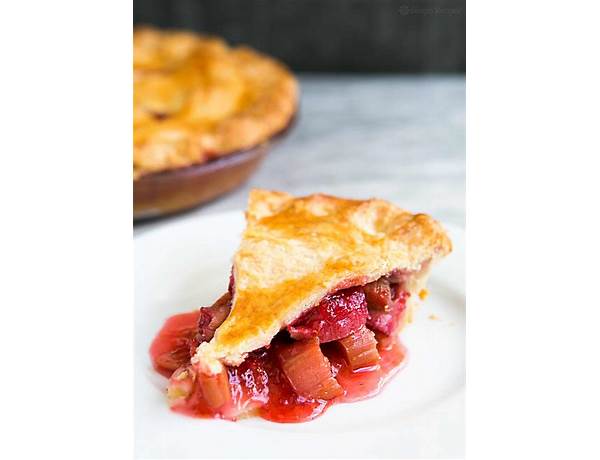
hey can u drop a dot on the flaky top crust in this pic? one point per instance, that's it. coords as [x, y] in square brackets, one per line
[294, 251]
[196, 99]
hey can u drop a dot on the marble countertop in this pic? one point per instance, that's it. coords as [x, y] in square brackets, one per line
[394, 137]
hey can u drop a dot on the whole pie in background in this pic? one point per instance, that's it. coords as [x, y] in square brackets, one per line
[197, 99]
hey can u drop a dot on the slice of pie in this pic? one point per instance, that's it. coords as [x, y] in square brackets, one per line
[320, 288]
[196, 99]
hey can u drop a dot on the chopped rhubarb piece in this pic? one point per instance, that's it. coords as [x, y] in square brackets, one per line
[336, 316]
[174, 359]
[231, 286]
[181, 386]
[212, 317]
[387, 322]
[215, 389]
[308, 370]
[398, 276]
[378, 294]
[360, 349]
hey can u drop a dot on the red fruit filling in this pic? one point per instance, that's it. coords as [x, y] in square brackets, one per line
[330, 355]
[378, 294]
[172, 347]
[400, 276]
[308, 370]
[215, 389]
[337, 315]
[360, 349]
[212, 317]
[231, 286]
[388, 321]
[259, 382]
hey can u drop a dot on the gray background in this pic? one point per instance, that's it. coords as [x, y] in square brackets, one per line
[411, 36]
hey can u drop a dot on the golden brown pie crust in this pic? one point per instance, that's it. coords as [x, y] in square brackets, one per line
[295, 251]
[195, 99]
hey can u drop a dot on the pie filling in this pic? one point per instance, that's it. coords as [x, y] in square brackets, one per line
[343, 349]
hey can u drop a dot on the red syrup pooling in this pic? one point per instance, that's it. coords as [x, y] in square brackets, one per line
[258, 384]
[175, 343]
[367, 383]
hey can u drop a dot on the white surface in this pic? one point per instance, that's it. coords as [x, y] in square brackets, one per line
[420, 413]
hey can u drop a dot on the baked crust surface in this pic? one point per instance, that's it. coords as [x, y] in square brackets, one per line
[294, 251]
[195, 99]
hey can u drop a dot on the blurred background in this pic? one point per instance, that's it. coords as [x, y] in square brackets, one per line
[382, 95]
[329, 35]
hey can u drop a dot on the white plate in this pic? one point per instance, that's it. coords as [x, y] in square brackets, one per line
[420, 413]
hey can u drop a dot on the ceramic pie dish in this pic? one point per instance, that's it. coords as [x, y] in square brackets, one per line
[168, 192]
[204, 115]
